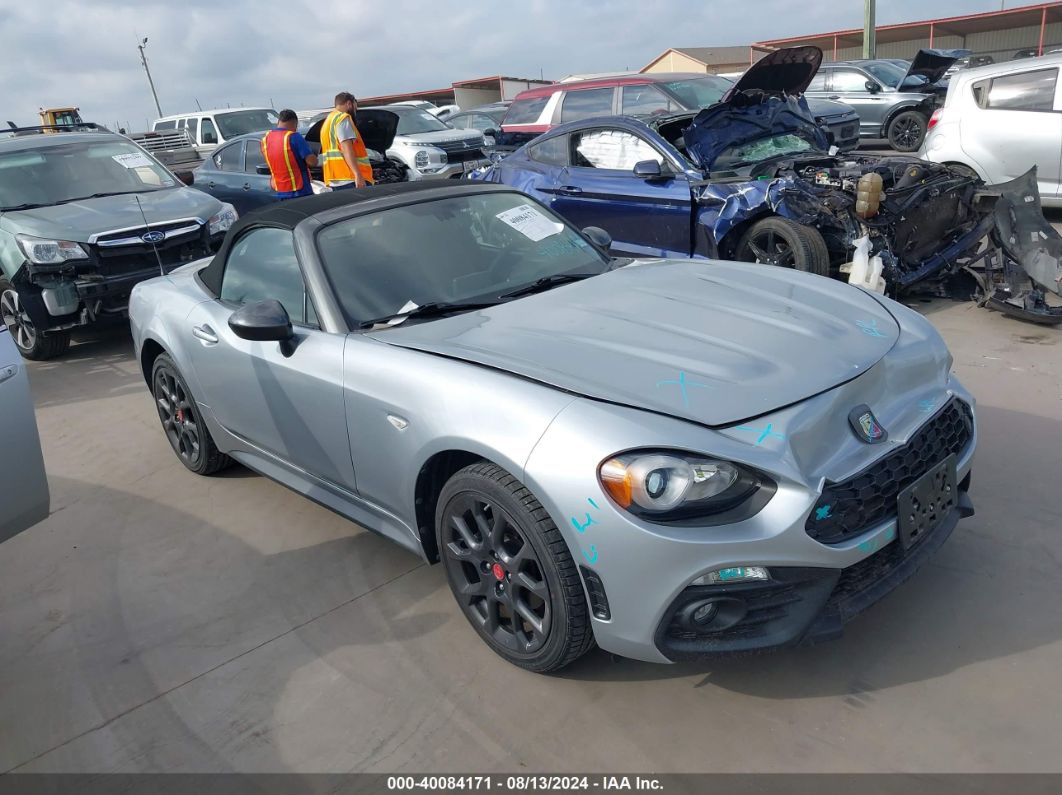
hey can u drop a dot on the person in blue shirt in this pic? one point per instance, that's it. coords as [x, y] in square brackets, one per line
[289, 158]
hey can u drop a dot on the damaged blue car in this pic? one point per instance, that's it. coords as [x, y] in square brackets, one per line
[752, 178]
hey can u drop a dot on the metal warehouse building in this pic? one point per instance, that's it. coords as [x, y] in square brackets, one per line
[1000, 34]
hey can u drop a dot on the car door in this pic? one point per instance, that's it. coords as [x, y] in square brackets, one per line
[226, 180]
[257, 188]
[1029, 101]
[286, 400]
[24, 498]
[646, 216]
[849, 85]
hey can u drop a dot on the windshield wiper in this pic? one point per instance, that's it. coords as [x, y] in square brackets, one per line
[434, 309]
[101, 195]
[546, 283]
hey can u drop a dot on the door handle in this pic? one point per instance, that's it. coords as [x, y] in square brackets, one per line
[834, 97]
[7, 373]
[569, 190]
[210, 184]
[246, 186]
[205, 333]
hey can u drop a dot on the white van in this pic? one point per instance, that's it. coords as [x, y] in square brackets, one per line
[210, 128]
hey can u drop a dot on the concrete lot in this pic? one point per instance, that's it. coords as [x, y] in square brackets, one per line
[158, 621]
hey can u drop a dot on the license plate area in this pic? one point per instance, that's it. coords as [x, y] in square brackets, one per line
[923, 505]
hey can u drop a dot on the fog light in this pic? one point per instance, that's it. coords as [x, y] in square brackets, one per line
[704, 613]
[733, 574]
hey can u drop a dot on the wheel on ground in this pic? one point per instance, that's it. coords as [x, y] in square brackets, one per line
[510, 570]
[181, 420]
[906, 131]
[32, 343]
[779, 241]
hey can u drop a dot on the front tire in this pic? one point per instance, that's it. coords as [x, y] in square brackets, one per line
[31, 343]
[787, 244]
[510, 570]
[906, 131]
[181, 420]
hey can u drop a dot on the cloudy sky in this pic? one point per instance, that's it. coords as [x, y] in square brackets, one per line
[298, 53]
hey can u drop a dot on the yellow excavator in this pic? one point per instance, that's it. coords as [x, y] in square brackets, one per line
[60, 117]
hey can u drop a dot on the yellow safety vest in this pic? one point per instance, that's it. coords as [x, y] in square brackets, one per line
[334, 166]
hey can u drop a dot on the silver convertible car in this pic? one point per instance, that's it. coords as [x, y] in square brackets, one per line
[672, 459]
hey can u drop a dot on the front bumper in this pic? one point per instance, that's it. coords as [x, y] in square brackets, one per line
[798, 606]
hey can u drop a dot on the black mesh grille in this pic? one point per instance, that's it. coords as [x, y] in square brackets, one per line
[855, 505]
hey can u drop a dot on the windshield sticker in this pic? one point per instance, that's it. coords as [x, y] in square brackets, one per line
[529, 222]
[132, 160]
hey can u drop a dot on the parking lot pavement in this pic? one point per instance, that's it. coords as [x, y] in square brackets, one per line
[162, 621]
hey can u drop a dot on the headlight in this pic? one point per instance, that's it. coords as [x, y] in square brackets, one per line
[667, 486]
[42, 251]
[222, 221]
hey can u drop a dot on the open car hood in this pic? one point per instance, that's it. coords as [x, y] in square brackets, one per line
[377, 128]
[785, 71]
[932, 64]
[746, 117]
[710, 342]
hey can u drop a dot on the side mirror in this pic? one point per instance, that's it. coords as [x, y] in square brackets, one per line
[872, 87]
[187, 177]
[648, 169]
[262, 168]
[262, 321]
[491, 133]
[598, 236]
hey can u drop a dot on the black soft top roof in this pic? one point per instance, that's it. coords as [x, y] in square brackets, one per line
[290, 213]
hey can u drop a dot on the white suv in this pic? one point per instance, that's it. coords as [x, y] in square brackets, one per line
[1000, 120]
[432, 148]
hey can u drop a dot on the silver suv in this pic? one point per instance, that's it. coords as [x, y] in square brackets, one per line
[892, 101]
[84, 216]
[432, 148]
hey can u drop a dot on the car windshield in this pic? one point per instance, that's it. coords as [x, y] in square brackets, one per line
[463, 249]
[698, 92]
[241, 122]
[750, 152]
[72, 170]
[414, 120]
[886, 72]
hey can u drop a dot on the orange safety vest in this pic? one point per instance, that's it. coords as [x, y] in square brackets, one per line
[283, 165]
[334, 166]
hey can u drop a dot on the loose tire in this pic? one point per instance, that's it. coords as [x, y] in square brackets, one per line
[181, 420]
[906, 131]
[31, 343]
[510, 570]
[779, 241]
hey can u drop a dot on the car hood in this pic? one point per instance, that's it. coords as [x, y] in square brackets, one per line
[711, 342]
[932, 64]
[377, 128]
[746, 117]
[80, 220]
[785, 71]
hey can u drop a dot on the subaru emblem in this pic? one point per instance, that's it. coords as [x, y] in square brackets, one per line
[153, 237]
[866, 425]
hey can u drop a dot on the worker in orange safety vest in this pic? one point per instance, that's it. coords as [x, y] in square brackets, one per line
[344, 157]
[289, 158]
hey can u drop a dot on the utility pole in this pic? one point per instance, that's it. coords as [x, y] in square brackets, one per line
[143, 60]
[870, 45]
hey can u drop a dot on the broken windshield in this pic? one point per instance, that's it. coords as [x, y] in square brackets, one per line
[748, 153]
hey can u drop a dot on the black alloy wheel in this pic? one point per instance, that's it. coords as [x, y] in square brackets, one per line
[181, 421]
[510, 570]
[778, 241]
[906, 131]
[497, 575]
